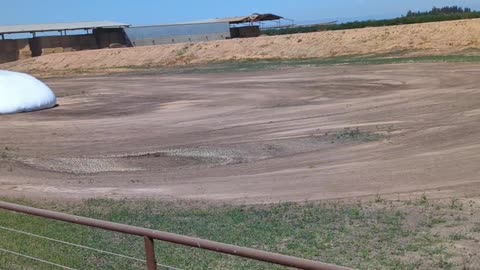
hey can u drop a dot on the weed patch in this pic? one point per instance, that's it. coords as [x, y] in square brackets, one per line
[355, 135]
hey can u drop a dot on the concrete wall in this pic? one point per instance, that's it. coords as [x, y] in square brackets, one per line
[13, 50]
[8, 50]
[58, 44]
[245, 31]
[108, 38]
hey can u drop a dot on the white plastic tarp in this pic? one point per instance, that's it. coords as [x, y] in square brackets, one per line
[20, 92]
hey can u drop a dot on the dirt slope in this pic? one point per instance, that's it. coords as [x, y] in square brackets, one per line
[430, 38]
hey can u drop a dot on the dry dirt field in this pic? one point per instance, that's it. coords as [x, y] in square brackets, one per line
[247, 137]
[438, 38]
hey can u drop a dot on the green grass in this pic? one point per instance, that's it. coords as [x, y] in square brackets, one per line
[349, 134]
[356, 235]
[397, 57]
[182, 52]
[273, 64]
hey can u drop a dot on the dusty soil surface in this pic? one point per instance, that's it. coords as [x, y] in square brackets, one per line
[418, 39]
[251, 137]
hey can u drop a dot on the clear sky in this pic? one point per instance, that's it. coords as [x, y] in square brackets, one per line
[144, 12]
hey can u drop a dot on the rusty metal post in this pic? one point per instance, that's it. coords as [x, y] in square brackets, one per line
[150, 253]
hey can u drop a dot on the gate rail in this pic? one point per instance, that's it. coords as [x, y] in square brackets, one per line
[151, 235]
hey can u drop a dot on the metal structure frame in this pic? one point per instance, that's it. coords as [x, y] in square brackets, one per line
[62, 28]
[151, 235]
[176, 33]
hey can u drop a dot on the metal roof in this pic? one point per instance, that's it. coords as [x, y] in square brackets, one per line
[14, 29]
[256, 17]
[212, 21]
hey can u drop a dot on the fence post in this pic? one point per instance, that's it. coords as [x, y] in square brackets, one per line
[150, 253]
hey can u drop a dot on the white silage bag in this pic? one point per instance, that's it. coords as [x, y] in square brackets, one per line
[20, 92]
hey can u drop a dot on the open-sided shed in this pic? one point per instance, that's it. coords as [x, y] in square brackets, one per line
[249, 26]
[256, 17]
[96, 35]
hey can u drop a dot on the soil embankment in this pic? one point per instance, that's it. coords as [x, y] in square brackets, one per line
[441, 38]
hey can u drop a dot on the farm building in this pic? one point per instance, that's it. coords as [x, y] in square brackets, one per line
[249, 26]
[208, 30]
[95, 35]
[67, 37]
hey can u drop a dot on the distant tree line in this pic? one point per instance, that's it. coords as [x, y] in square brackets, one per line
[449, 13]
[440, 11]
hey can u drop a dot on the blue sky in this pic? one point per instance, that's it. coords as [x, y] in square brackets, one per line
[144, 12]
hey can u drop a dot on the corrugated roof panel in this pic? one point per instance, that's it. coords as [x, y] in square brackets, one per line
[14, 29]
[241, 19]
[234, 19]
[252, 18]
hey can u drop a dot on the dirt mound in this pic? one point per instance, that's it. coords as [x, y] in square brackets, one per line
[418, 39]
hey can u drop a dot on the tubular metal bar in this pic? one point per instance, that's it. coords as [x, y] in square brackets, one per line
[150, 253]
[177, 239]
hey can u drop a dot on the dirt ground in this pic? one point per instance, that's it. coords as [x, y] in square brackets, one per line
[269, 136]
[439, 38]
